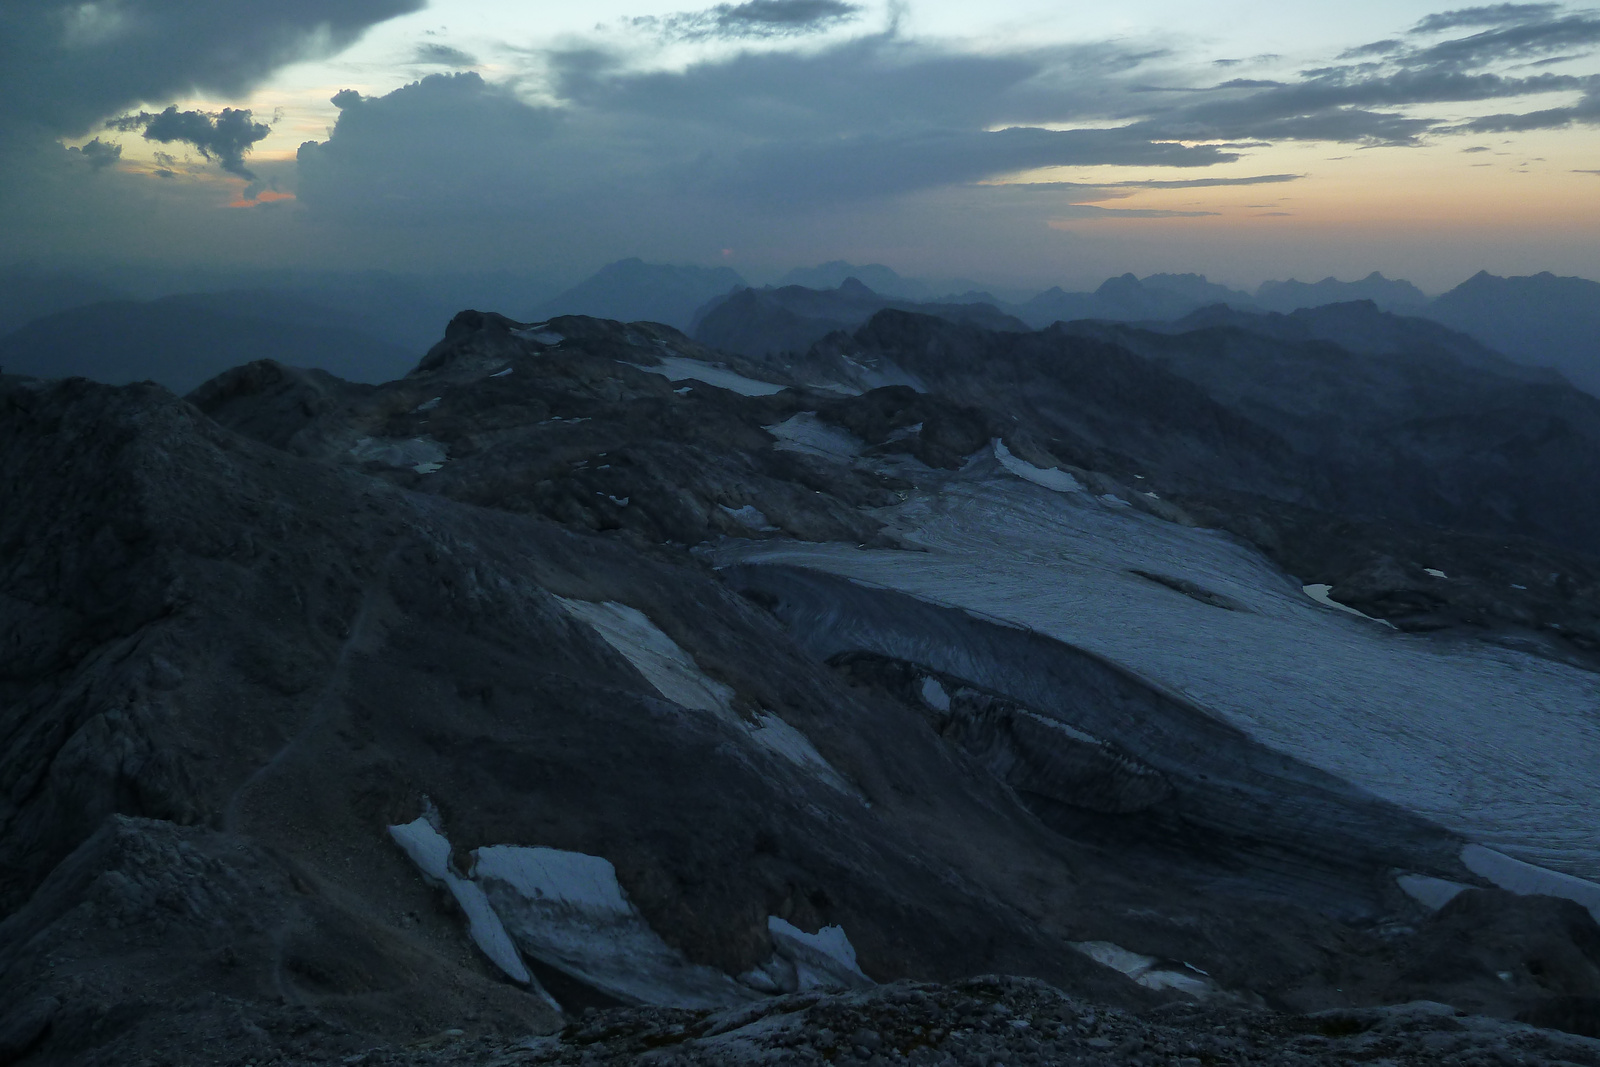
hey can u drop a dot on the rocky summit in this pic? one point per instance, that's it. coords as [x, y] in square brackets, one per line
[945, 693]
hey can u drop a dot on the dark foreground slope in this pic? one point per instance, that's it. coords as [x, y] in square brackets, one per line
[246, 634]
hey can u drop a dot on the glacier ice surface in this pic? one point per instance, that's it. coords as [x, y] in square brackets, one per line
[1492, 743]
[1528, 879]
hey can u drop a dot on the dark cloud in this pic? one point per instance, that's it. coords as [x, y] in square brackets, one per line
[443, 55]
[224, 137]
[1520, 41]
[66, 64]
[100, 154]
[1586, 112]
[752, 19]
[1492, 15]
[1376, 48]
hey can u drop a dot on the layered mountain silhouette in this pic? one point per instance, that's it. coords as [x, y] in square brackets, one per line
[631, 289]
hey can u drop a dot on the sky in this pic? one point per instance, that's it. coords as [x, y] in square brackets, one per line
[1013, 142]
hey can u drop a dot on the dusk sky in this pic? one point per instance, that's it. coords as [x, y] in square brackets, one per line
[1015, 142]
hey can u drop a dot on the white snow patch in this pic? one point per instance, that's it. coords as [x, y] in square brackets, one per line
[933, 694]
[806, 433]
[567, 910]
[427, 405]
[1435, 573]
[538, 333]
[663, 663]
[502, 373]
[777, 736]
[823, 960]
[430, 851]
[619, 501]
[1147, 970]
[682, 368]
[1113, 501]
[422, 454]
[1319, 592]
[1528, 879]
[1050, 478]
[1071, 731]
[748, 515]
[1432, 893]
[875, 372]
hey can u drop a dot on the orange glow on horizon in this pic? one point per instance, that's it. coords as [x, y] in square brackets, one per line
[264, 197]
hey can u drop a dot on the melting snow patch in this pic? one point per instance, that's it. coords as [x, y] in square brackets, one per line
[1525, 878]
[422, 454]
[933, 694]
[1319, 593]
[567, 910]
[777, 736]
[538, 333]
[1050, 477]
[430, 851]
[749, 515]
[807, 433]
[1071, 731]
[501, 373]
[1431, 893]
[1147, 970]
[664, 665]
[1435, 573]
[1113, 501]
[681, 368]
[427, 405]
[824, 960]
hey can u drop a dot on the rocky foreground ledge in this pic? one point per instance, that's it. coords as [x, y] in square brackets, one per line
[988, 1021]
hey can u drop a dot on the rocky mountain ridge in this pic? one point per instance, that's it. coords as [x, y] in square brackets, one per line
[682, 640]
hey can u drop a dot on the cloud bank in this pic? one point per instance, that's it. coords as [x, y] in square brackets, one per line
[66, 65]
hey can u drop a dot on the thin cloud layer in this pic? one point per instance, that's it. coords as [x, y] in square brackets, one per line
[752, 19]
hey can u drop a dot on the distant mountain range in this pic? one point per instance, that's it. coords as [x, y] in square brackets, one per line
[631, 290]
[181, 341]
[369, 326]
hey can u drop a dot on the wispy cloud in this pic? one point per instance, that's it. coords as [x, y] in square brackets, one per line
[434, 54]
[752, 19]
